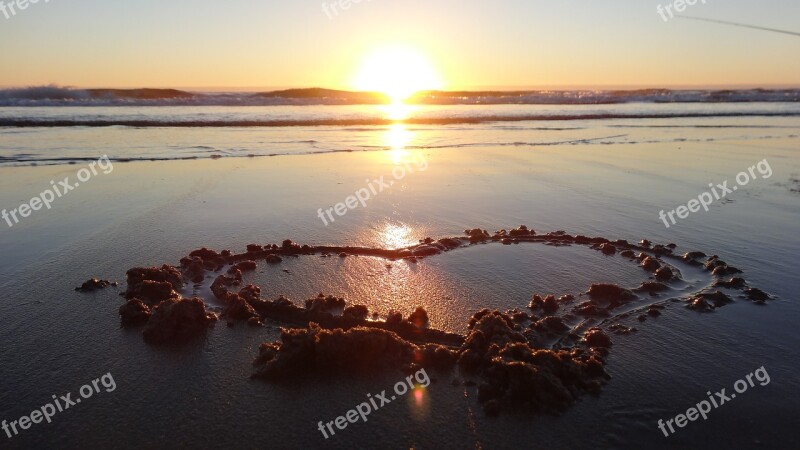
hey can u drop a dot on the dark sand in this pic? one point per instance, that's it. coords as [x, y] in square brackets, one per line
[200, 394]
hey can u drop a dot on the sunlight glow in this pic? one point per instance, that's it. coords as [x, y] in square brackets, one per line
[397, 72]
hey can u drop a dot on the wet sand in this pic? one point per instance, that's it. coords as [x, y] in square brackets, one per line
[146, 214]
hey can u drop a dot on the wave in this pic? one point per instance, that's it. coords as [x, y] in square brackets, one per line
[205, 152]
[65, 96]
[581, 97]
[52, 95]
[134, 123]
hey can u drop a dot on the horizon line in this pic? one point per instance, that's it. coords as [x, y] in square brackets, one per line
[622, 87]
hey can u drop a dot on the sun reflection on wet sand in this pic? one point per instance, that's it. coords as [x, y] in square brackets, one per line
[395, 281]
[419, 402]
[396, 236]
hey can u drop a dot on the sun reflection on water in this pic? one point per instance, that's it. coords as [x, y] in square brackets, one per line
[397, 138]
[397, 110]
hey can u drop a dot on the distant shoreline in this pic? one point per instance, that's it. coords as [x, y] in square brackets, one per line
[55, 95]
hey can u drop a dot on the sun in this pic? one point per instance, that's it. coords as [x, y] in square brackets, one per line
[398, 72]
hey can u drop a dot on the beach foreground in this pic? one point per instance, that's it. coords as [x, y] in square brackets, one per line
[146, 214]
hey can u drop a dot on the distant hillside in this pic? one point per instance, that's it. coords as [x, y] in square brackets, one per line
[139, 94]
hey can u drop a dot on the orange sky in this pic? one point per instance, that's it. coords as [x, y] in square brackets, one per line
[501, 44]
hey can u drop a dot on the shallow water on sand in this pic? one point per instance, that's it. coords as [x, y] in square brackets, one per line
[149, 133]
[55, 340]
[451, 287]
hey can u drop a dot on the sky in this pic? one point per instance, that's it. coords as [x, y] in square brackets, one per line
[471, 44]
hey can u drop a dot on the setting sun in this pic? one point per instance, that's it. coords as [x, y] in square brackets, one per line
[397, 72]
